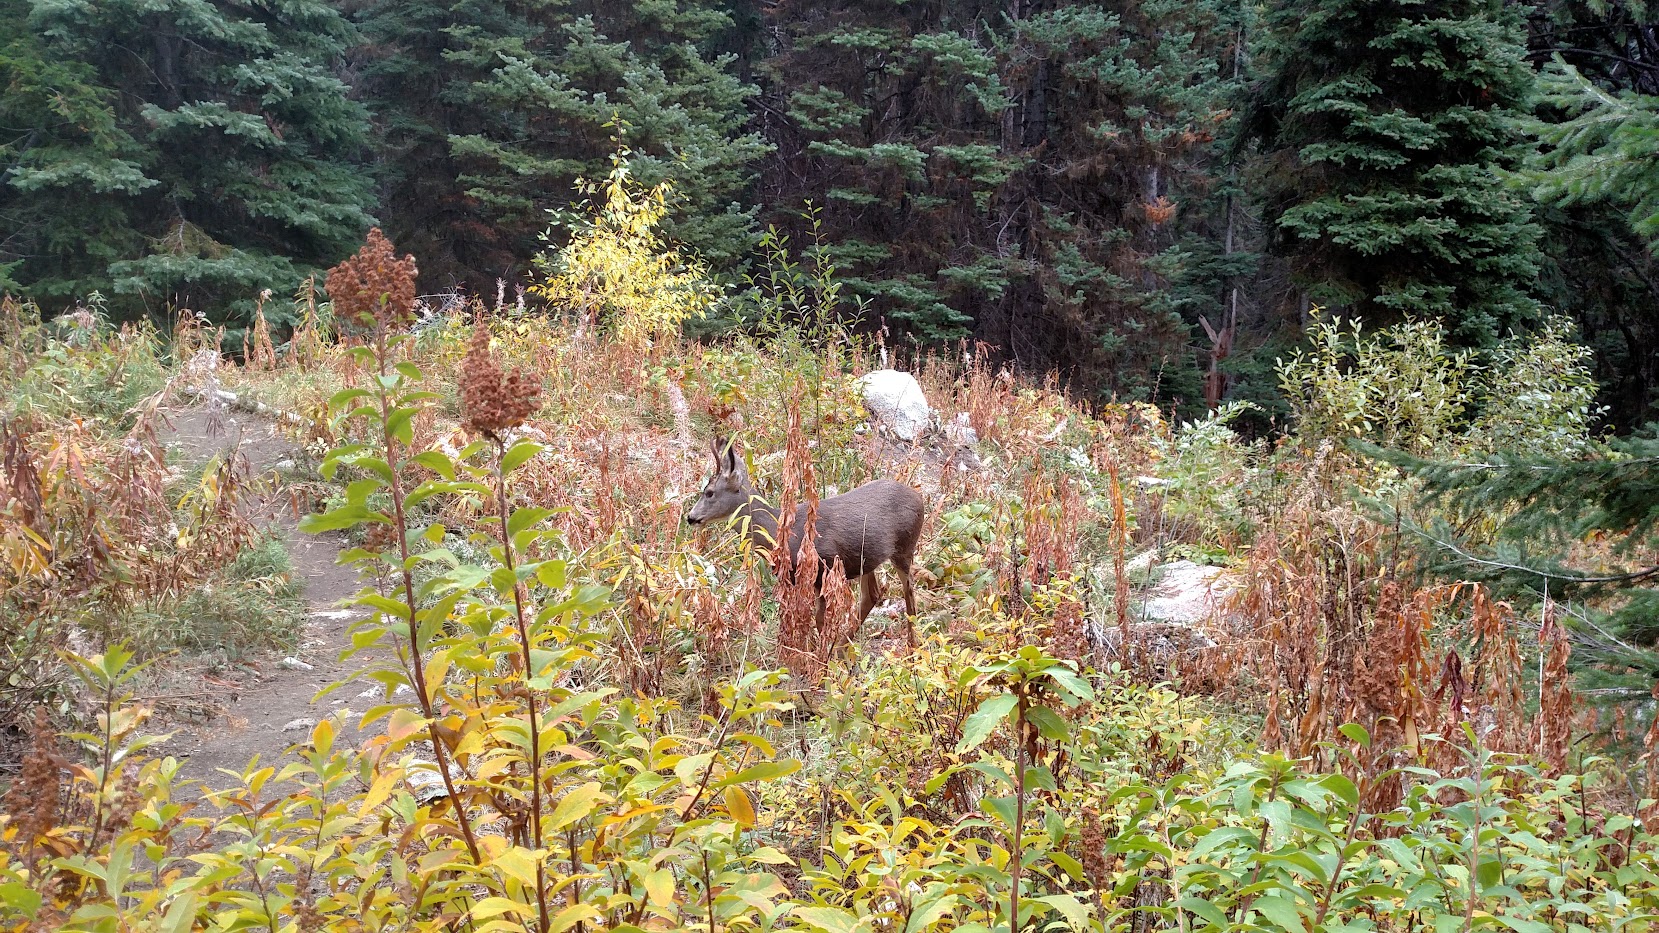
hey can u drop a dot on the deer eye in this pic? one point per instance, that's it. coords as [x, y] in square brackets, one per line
[708, 494]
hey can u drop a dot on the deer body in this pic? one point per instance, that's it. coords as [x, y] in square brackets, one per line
[877, 523]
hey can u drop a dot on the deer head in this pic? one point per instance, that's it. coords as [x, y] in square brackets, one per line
[727, 490]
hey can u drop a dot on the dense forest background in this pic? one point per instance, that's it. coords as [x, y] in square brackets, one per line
[1149, 197]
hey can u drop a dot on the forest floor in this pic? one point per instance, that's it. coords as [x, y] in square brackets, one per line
[272, 706]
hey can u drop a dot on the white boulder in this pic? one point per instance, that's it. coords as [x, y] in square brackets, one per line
[897, 402]
[1187, 593]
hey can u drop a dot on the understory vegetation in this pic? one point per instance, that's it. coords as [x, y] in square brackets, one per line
[590, 718]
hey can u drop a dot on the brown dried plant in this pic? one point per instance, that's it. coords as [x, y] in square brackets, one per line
[799, 644]
[258, 352]
[34, 802]
[494, 400]
[374, 287]
[1553, 729]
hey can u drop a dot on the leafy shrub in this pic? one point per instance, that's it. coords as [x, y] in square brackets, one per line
[1205, 472]
[1539, 396]
[617, 268]
[1402, 388]
[78, 367]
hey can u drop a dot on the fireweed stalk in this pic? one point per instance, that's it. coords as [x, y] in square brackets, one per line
[494, 402]
[375, 289]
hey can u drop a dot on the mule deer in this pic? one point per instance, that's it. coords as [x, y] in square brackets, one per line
[876, 523]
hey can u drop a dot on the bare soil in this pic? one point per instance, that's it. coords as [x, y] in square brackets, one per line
[268, 707]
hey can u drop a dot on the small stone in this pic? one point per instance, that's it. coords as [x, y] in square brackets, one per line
[295, 664]
[299, 725]
[960, 432]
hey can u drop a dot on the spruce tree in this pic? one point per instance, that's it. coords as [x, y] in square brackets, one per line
[1043, 177]
[1605, 149]
[187, 153]
[490, 113]
[1603, 508]
[1385, 126]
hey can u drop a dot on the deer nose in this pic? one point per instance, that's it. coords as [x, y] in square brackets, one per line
[693, 520]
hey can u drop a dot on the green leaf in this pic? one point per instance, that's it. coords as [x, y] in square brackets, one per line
[984, 720]
[1068, 681]
[1049, 724]
[523, 518]
[929, 912]
[1342, 787]
[347, 516]
[518, 454]
[1219, 837]
[1204, 910]
[1282, 911]
[1356, 733]
[551, 573]
[1070, 866]
[340, 398]
[828, 919]
[765, 771]
[1075, 911]
[436, 462]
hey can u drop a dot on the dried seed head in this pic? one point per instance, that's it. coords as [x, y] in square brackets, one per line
[32, 801]
[492, 399]
[374, 286]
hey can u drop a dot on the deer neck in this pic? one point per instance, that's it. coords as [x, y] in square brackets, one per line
[761, 522]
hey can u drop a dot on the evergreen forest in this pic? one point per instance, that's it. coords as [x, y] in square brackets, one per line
[1146, 199]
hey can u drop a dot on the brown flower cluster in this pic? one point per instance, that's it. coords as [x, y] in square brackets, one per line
[374, 286]
[32, 800]
[492, 399]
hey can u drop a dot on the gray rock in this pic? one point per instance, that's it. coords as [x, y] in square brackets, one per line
[897, 402]
[1186, 593]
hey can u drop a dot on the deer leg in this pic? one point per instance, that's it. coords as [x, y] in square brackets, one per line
[869, 590]
[903, 567]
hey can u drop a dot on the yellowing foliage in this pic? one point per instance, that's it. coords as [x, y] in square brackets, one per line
[618, 269]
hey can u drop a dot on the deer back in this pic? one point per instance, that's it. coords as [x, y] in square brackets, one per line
[863, 528]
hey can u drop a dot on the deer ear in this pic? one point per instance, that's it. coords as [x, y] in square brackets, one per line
[714, 448]
[732, 462]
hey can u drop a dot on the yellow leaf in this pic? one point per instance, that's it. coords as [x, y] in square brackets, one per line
[572, 915]
[578, 803]
[403, 724]
[738, 805]
[380, 790]
[496, 906]
[659, 888]
[519, 864]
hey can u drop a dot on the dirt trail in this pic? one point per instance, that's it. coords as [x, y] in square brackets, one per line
[258, 709]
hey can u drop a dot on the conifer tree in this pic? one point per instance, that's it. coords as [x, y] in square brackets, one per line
[1605, 150]
[1385, 126]
[1040, 176]
[490, 113]
[1546, 509]
[192, 153]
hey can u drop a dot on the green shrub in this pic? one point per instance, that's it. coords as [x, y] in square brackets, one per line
[1403, 388]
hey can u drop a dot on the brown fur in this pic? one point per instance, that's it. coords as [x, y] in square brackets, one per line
[877, 523]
